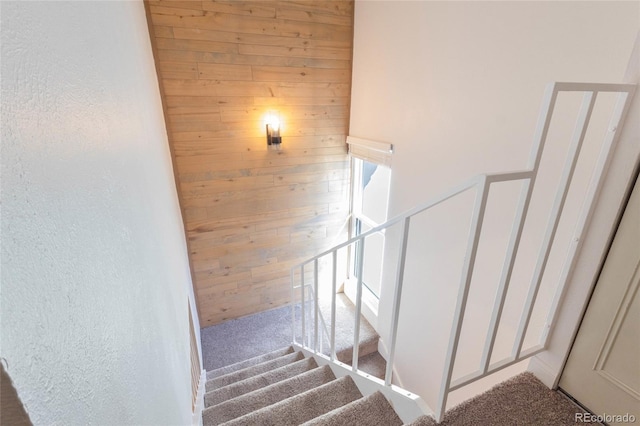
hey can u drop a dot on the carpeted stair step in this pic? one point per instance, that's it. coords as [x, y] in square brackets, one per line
[372, 410]
[252, 371]
[304, 407]
[249, 362]
[242, 387]
[521, 400]
[373, 364]
[345, 313]
[267, 396]
[423, 421]
[367, 346]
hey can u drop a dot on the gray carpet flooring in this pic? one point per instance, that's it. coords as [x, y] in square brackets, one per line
[217, 396]
[240, 339]
[276, 389]
[269, 395]
[258, 339]
[371, 410]
[521, 401]
[243, 338]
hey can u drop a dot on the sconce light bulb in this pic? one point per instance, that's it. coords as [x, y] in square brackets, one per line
[273, 129]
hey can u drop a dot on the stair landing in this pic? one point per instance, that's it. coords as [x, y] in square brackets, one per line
[247, 337]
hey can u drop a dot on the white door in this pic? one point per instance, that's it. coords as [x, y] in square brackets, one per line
[603, 370]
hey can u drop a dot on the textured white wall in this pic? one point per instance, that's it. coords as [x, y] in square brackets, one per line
[456, 87]
[95, 276]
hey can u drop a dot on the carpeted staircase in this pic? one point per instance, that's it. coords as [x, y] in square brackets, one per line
[285, 388]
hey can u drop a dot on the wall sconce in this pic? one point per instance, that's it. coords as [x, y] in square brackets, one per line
[273, 130]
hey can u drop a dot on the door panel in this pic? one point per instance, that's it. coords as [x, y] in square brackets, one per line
[603, 369]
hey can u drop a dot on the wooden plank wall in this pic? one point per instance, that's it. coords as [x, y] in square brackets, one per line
[251, 213]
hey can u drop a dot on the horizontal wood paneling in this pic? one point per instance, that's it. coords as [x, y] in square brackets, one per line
[251, 213]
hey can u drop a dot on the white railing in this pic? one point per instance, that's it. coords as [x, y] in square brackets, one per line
[481, 184]
[306, 334]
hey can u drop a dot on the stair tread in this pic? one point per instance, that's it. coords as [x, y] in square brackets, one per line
[253, 370]
[372, 410]
[303, 407]
[249, 362]
[261, 398]
[425, 420]
[373, 364]
[217, 396]
[345, 312]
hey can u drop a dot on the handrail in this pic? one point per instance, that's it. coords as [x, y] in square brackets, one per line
[482, 180]
[518, 354]
[437, 200]
[470, 183]
[482, 184]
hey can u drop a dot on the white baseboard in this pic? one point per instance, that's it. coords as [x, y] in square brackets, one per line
[543, 371]
[197, 411]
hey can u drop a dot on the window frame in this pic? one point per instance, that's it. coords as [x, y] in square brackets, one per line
[379, 153]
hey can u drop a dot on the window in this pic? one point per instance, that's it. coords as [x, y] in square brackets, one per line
[369, 209]
[370, 179]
